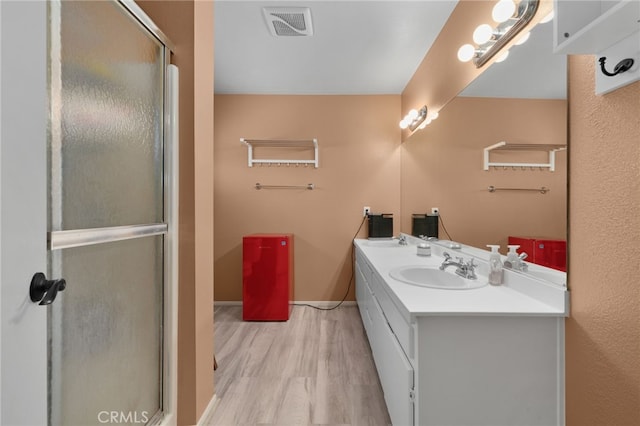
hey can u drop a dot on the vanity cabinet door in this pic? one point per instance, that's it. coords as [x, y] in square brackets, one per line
[394, 370]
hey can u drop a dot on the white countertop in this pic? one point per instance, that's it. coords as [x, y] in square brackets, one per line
[518, 296]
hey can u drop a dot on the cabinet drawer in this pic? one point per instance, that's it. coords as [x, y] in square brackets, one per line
[364, 265]
[396, 321]
[363, 298]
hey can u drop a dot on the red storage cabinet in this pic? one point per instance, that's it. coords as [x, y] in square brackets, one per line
[543, 251]
[267, 277]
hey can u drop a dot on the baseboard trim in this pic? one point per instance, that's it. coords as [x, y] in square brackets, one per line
[207, 415]
[318, 303]
[227, 302]
[324, 303]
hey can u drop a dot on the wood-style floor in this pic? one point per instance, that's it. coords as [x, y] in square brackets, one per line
[315, 369]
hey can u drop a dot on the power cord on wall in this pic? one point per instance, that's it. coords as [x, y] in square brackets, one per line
[444, 228]
[353, 259]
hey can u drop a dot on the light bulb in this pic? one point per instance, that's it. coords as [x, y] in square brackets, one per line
[466, 52]
[413, 114]
[503, 10]
[423, 125]
[502, 56]
[523, 39]
[482, 34]
[435, 115]
[404, 124]
[547, 18]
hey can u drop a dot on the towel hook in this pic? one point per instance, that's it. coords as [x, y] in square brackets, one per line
[622, 66]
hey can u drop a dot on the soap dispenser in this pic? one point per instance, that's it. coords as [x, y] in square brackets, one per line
[495, 266]
[512, 256]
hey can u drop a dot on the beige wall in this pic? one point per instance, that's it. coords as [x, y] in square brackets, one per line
[203, 188]
[189, 25]
[603, 332]
[442, 166]
[359, 150]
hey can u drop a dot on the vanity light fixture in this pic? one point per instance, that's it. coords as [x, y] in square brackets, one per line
[414, 119]
[511, 19]
[503, 10]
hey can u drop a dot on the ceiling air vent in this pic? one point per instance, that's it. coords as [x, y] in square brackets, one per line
[288, 21]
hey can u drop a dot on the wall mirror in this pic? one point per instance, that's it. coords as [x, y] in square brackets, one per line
[521, 101]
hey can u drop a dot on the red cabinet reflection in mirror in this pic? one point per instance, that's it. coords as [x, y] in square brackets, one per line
[543, 251]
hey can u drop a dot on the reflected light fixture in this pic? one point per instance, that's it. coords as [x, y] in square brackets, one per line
[502, 56]
[511, 19]
[418, 119]
[414, 119]
[523, 39]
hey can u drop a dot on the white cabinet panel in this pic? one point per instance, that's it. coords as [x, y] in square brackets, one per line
[396, 321]
[394, 370]
[490, 371]
[362, 295]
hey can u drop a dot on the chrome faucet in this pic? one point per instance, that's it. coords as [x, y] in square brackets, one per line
[463, 269]
[402, 240]
[519, 264]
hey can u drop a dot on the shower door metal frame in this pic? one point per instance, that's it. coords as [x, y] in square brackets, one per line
[169, 228]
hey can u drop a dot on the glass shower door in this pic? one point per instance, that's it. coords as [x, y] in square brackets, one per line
[106, 215]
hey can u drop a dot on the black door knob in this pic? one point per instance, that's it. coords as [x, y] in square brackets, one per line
[43, 290]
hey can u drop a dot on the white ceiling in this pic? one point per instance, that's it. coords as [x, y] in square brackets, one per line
[359, 47]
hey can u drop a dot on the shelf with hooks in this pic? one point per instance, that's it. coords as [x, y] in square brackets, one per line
[551, 149]
[310, 144]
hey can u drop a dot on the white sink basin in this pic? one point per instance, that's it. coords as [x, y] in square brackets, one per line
[382, 243]
[429, 276]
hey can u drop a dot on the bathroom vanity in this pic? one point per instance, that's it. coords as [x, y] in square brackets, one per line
[492, 355]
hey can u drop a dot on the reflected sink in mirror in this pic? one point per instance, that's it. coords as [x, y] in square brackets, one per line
[432, 277]
[382, 243]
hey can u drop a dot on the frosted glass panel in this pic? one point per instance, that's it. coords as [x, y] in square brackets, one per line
[107, 157]
[107, 329]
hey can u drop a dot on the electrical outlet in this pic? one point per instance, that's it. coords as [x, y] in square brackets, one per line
[435, 210]
[366, 210]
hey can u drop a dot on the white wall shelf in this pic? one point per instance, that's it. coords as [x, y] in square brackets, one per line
[311, 144]
[551, 149]
[591, 26]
